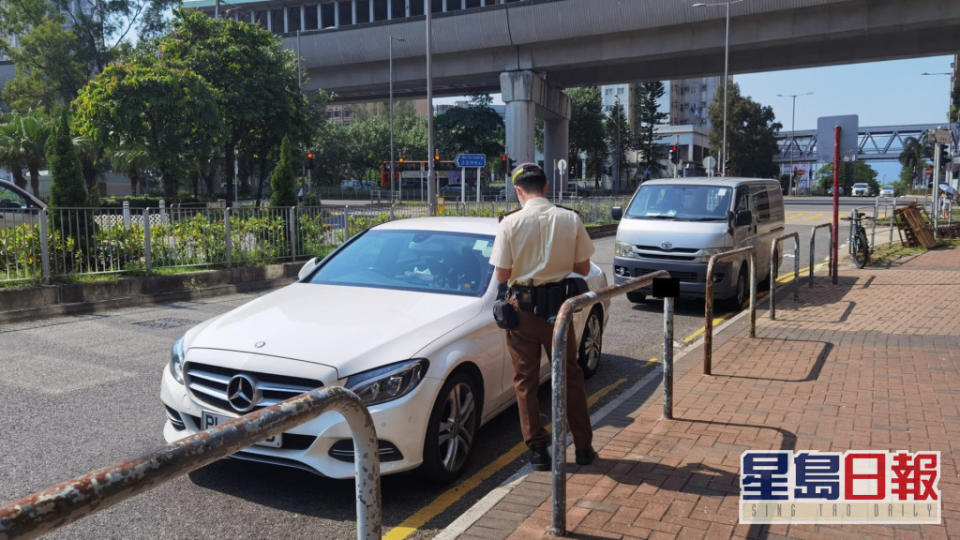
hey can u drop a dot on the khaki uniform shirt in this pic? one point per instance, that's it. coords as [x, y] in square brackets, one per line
[540, 243]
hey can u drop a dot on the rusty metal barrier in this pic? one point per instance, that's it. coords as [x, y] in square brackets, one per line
[559, 379]
[708, 300]
[813, 237]
[72, 500]
[773, 271]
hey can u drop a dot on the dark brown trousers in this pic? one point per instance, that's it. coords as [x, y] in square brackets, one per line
[525, 342]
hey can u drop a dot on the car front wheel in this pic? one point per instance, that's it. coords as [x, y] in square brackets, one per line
[452, 428]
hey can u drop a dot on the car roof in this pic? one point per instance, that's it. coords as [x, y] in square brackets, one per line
[472, 225]
[728, 181]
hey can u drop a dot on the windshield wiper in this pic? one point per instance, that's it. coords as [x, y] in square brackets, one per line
[707, 219]
[657, 217]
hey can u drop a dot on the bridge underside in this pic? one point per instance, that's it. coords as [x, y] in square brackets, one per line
[653, 41]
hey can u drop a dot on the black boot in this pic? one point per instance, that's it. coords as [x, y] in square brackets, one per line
[585, 457]
[539, 457]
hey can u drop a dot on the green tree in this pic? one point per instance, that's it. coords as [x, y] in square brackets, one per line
[254, 77]
[66, 189]
[751, 134]
[11, 154]
[474, 129]
[619, 139]
[171, 110]
[851, 172]
[647, 116]
[129, 157]
[587, 134]
[34, 130]
[50, 69]
[282, 181]
[914, 157]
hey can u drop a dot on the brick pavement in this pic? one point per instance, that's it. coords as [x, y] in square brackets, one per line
[873, 363]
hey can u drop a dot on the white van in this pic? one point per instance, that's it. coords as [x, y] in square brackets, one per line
[677, 224]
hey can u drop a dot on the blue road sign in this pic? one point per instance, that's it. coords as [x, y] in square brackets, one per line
[471, 160]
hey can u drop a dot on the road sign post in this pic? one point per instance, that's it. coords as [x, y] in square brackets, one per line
[477, 161]
[562, 167]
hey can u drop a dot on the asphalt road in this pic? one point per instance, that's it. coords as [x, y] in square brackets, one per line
[81, 392]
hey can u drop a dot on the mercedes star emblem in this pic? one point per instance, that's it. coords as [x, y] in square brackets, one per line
[242, 393]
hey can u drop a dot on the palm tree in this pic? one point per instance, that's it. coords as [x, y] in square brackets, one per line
[129, 158]
[914, 153]
[33, 129]
[11, 155]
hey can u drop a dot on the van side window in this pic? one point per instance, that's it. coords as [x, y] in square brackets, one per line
[743, 201]
[775, 195]
[760, 203]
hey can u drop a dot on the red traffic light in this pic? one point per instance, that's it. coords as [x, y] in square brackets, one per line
[309, 155]
[503, 159]
[673, 148]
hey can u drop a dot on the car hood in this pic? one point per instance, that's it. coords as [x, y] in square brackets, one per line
[350, 329]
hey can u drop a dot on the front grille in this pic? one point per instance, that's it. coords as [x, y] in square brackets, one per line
[674, 254]
[681, 276]
[671, 250]
[342, 450]
[208, 384]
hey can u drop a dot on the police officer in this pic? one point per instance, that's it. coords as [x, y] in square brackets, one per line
[537, 247]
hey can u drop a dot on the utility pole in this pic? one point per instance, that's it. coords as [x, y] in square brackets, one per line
[616, 185]
[431, 187]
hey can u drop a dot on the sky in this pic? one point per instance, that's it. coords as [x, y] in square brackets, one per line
[881, 93]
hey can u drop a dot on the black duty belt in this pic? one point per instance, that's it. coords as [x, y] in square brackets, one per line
[545, 300]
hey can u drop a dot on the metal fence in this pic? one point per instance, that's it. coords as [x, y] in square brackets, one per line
[42, 244]
[75, 499]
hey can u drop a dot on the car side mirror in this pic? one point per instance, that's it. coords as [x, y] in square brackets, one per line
[616, 213]
[744, 217]
[307, 268]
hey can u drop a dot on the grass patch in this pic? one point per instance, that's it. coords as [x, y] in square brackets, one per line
[889, 253]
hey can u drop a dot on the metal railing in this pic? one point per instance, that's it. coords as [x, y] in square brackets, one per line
[813, 238]
[38, 244]
[559, 378]
[773, 270]
[708, 300]
[70, 501]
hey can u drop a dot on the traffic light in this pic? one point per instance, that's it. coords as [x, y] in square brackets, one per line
[400, 160]
[309, 160]
[673, 154]
[436, 159]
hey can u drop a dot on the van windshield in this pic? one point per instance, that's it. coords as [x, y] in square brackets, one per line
[681, 203]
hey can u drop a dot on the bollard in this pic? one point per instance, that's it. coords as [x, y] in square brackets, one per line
[668, 357]
[708, 300]
[796, 271]
[292, 227]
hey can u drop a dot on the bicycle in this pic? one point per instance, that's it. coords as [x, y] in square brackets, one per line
[859, 249]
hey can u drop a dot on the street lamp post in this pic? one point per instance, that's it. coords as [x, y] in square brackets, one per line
[392, 172]
[431, 187]
[726, 74]
[793, 131]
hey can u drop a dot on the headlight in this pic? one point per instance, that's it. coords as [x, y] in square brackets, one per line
[623, 249]
[176, 360]
[388, 382]
[704, 255]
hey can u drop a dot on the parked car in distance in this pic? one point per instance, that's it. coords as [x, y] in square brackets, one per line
[401, 315]
[830, 190]
[17, 207]
[861, 189]
[887, 191]
[574, 188]
[678, 224]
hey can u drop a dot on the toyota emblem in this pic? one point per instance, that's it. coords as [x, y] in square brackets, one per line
[666, 245]
[242, 393]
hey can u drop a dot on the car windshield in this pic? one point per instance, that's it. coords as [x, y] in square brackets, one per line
[429, 261]
[681, 202]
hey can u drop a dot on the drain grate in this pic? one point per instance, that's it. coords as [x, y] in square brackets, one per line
[164, 323]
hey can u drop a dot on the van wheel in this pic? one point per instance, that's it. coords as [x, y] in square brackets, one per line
[742, 293]
[636, 297]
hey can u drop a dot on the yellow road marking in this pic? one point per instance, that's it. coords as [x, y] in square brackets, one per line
[716, 320]
[650, 362]
[792, 216]
[815, 217]
[449, 497]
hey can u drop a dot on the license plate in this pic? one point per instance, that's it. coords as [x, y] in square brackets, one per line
[210, 420]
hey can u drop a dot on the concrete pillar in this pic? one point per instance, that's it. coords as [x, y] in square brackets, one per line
[556, 140]
[518, 95]
[353, 12]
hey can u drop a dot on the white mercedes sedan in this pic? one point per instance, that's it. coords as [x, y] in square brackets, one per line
[402, 315]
